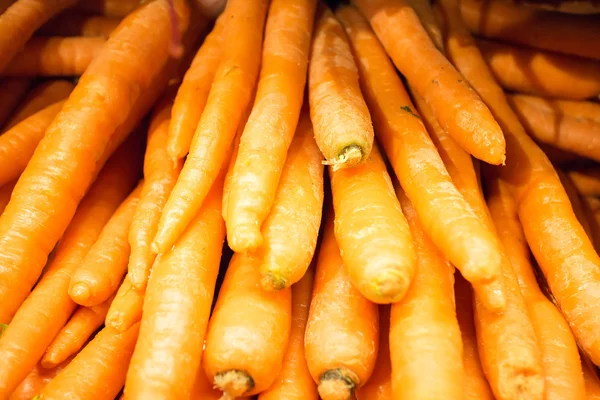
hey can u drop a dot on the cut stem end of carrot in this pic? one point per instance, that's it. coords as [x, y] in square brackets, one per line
[389, 286]
[272, 282]
[521, 384]
[233, 383]
[337, 384]
[348, 157]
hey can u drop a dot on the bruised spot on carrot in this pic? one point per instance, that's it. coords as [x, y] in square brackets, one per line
[337, 384]
[234, 383]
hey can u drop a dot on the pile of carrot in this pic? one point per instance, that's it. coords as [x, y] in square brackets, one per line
[288, 199]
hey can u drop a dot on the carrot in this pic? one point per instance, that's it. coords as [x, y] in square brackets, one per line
[341, 340]
[586, 180]
[204, 390]
[18, 143]
[296, 213]
[5, 192]
[379, 385]
[102, 270]
[98, 371]
[180, 290]
[455, 105]
[40, 97]
[592, 383]
[418, 165]
[12, 90]
[571, 108]
[576, 202]
[74, 23]
[35, 381]
[424, 332]
[55, 56]
[78, 143]
[230, 94]
[244, 310]
[579, 136]
[294, 380]
[426, 15]
[126, 308]
[49, 306]
[560, 356]
[270, 128]
[562, 33]
[20, 21]
[109, 8]
[342, 124]
[71, 338]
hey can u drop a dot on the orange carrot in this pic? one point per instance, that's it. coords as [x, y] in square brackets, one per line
[36, 381]
[71, 338]
[98, 371]
[77, 144]
[586, 180]
[272, 122]
[446, 216]
[204, 390]
[341, 340]
[177, 307]
[49, 306]
[74, 23]
[294, 380]
[229, 95]
[55, 56]
[455, 105]
[426, 15]
[12, 90]
[5, 192]
[126, 308]
[548, 30]
[109, 8]
[295, 216]
[102, 270]
[592, 383]
[572, 108]
[342, 124]
[576, 202]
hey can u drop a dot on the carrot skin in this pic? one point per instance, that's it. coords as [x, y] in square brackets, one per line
[126, 308]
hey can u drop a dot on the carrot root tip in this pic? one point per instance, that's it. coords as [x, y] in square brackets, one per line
[491, 295]
[390, 285]
[337, 384]
[349, 156]
[80, 293]
[245, 239]
[233, 383]
[272, 282]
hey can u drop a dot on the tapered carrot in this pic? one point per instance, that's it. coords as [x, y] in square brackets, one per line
[341, 340]
[229, 95]
[49, 306]
[342, 124]
[36, 381]
[40, 97]
[55, 56]
[12, 90]
[5, 192]
[109, 8]
[586, 180]
[105, 264]
[294, 380]
[98, 371]
[73, 336]
[177, 307]
[424, 332]
[272, 122]
[78, 143]
[415, 160]
[244, 310]
[560, 356]
[455, 105]
[19, 22]
[74, 23]
[592, 383]
[126, 308]
[18, 143]
[576, 202]
[193, 93]
[295, 216]
[562, 33]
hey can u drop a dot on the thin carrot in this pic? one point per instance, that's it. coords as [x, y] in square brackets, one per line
[105, 264]
[98, 371]
[12, 90]
[272, 122]
[296, 213]
[562, 33]
[294, 380]
[77, 144]
[73, 336]
[49, 306]
[126, 308]
[341, 340]
[592, 383]
[5, 192]
[36, 381]
[229, 95]
[55, 56]
[586, 180]
[109, 8]
[455, 105]
[177, 308]
[74, 23]
[446, 216]
[576, 202]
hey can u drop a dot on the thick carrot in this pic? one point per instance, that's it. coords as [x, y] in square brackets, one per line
[560, 356]
[576, 202]
[295, 216]
[18, 143]
[586, 180]
[229, 95]
[445, 215]
[424, 332]
[177, 307]
[270, 128]
[73, 336]
[105, 264]
[55, 56]
[126, 308]
[78, 143]
[569, 34]
[456, 106]
[5, 192]
[49, 306]
[36, 381]
[592, 383]
[341, 119]
[20, 21]
[98, 371]
[109, 8]
[341, 340]
[12, 90]
[74, 23]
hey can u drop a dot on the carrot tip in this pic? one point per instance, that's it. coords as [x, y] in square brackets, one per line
[49, 361]
[273, 282]
[389, 286]
[244, 239]
[337, 384]
[233, 383]
[348, 157]
[80, 293]
[491, 295]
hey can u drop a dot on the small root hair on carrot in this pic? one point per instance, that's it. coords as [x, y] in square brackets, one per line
[349, 156]
[233, 383]
[337, 384]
